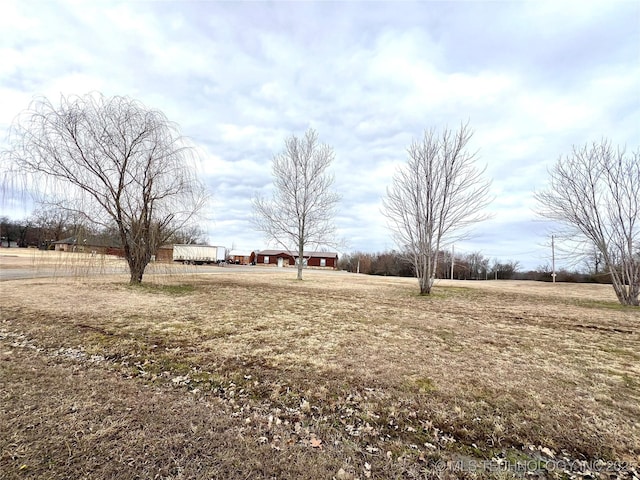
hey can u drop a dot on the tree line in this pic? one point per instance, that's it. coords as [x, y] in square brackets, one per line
[471, 266]
[40, 229]
[44, 227]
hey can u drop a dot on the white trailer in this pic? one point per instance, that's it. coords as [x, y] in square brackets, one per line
[198, 254]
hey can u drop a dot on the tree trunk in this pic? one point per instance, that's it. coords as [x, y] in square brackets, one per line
[627, 296]
[138, 257]
[425, 286]
[136, 277]
[136, 270]
[424, 273]
[300, 259]
[634, 294]
[627, 288]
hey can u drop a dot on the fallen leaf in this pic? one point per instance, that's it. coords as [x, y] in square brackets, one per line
[343, 475]
[547, 452]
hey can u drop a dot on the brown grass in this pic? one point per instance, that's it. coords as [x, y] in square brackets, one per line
[246, 373]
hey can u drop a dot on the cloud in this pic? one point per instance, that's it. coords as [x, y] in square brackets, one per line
[532, 78]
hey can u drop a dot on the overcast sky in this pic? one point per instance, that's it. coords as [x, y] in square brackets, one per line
[532, 79]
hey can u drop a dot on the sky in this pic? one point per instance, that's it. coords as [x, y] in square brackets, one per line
[532, 78]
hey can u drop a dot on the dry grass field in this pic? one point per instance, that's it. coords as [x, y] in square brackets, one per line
[246, 373]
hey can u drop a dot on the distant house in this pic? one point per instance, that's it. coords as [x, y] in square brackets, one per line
[105, 246]
[88, 244]
[285, 258]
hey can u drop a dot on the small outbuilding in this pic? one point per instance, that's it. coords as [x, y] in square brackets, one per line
[238, 257]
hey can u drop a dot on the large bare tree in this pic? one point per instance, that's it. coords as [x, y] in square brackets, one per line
[113, 161]
[594, 192]
[300, 213]
[434, 198]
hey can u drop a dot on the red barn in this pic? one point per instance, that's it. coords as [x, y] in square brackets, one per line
[285, 258]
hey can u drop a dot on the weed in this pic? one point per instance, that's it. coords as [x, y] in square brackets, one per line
[425, 385]
[164, 289]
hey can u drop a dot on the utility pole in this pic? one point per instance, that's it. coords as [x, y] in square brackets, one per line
[452, 259]
[553, 259]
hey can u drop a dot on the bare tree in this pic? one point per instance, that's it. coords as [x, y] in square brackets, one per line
[595, 193]
[191, 234]
[10, 231]
[478, 265]
[54, 223]
[434, 198]
[504, 270]
[592, 262]
[300, 213]
[113, 161]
